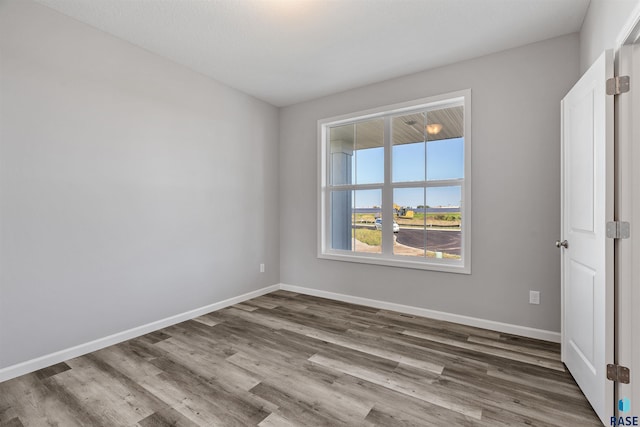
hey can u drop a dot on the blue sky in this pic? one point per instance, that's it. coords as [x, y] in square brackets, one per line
[445, 160]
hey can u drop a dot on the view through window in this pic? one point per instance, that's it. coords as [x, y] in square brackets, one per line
[405, 163]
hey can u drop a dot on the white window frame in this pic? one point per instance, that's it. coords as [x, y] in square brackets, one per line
[387, 258]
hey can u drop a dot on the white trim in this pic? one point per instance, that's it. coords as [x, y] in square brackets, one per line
[630, 31]
[508, 328]
[628, 208]
[430, 102]
[443, 265]
[79, 350]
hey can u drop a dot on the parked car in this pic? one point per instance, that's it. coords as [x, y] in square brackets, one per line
[396, 227]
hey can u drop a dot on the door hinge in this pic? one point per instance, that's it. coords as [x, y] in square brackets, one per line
[618, 230]
[618, 373]
[617, 85]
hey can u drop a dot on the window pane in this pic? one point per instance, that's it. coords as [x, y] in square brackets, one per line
[353, 220]
[408, 136]
[445, 159]
[369, 154]
[444, 219]
[341, 140]
[408, 204]
[341, 209]
[445, 146]
[367, 234]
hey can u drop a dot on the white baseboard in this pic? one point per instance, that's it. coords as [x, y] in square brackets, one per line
[508, 328]
[79, 350]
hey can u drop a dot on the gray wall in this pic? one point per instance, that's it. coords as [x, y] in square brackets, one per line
[601, 27]
[131, 188]
[516, 188]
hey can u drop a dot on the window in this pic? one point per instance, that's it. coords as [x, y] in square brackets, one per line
[408, 163]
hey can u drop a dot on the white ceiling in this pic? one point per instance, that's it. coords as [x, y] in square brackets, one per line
[288, 51]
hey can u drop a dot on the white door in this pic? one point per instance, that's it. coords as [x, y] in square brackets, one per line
[587, 253]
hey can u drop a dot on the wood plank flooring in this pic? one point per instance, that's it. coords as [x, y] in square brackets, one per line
[286, 359]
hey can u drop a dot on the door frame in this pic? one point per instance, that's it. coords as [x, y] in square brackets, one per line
[627, 208]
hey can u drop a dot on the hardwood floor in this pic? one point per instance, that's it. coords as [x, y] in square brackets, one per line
[286, 359]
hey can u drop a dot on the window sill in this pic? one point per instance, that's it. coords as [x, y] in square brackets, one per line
[445, 266]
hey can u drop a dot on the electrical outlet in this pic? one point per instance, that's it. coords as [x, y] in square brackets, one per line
[534, 297]
[261, 268]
